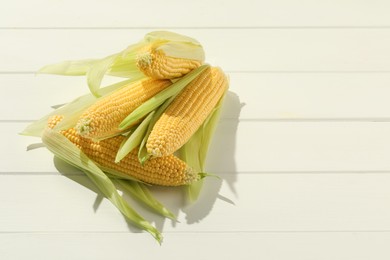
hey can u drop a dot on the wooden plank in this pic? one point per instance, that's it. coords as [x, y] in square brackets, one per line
[267, 96]
[251, 147]
[203, 13]
[243, 203]
[229, 246]
[299, 146]
[232, 49]
[304, 168]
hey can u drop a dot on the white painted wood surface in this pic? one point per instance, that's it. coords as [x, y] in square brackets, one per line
[302, 149]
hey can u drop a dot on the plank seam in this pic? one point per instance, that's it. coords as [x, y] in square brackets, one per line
[342, 27]
[264, 120]
[27, 72]
[200, 232]
[262, 172]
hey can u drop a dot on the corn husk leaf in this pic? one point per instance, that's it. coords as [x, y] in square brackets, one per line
[61, 147]
[71, 111]
[184, 51]
[160, 98]
[194, 152]
[143, 155]
[176, 45]
[125, 64]
[69, 68]
[97, 71]
[141, 192]
[167, 36]
[134, 139]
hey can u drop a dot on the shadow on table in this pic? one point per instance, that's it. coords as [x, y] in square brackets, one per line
[220, 161]
[78, 176]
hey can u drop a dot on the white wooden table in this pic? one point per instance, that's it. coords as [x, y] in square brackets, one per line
[304, 163]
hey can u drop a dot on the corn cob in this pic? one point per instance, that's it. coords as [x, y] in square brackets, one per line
[156, 64]
[166, 171]
[160, 55]
[187, 112]
[101, 120]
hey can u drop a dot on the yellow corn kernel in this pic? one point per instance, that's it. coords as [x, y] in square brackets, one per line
[102, 119]
[166, 171]
[187, 112]
[155, 64]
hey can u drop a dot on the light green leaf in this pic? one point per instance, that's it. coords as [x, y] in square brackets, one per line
[97, 71]
[143, 155]
[160, 98]
[69, 68]
[182, 50]
[167, 36]
[176, 45]
[193, 190]
[60, 146]
[125, 71]
[125, 64]
[141, 192]
[134, 139]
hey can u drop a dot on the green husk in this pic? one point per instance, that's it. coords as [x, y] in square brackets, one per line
[97, 71]
[184, 51]
[166, 36]
[125, 64]
[176, 45]
[194, 152]
[160, 98]
[72, 110]
[141, 192]
[61, 147]
[134, 139]
[69, 68]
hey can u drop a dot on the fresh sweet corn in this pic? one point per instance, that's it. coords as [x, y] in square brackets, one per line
[102, 119]
[156, 64]
[177, 97]
[187, 112]
[166, 171]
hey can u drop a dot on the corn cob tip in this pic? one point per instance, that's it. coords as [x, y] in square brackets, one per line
[83, 127]
[103, 118]
[155, 63]
[144, 59]
[191, 175]
[155, 152]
